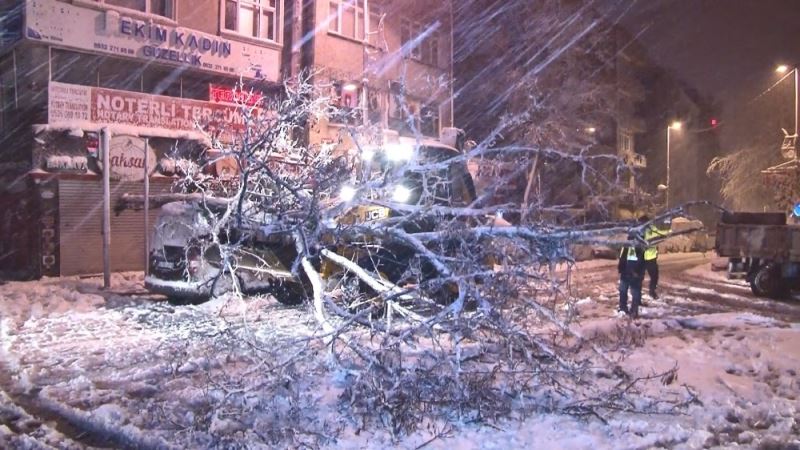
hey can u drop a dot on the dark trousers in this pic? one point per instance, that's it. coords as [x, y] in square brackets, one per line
[635, 286]
[652, 271]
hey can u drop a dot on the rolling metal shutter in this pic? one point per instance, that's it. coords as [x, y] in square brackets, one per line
[80, 210]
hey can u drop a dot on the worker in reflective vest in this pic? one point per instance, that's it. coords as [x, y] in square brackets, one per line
[652, 233]
[631, 274]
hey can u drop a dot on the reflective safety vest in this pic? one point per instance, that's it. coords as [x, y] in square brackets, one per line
[631, 254]
[652, 233]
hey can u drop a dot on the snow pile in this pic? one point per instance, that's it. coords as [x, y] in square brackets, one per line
[231, 372]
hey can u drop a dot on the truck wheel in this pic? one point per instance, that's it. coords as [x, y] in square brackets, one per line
[768, 282]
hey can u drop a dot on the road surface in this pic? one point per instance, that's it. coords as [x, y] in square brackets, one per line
[81, 367]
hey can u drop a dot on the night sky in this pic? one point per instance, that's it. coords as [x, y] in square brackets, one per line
[725, 48]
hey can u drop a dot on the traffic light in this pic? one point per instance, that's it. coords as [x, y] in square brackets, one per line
[714, 122]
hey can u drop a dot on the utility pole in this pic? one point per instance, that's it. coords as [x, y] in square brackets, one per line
[673, 126]
[105, 143]
[669, 185]
[146, 207]
[796, 101]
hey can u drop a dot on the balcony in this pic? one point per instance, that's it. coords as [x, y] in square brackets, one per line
[635, 160]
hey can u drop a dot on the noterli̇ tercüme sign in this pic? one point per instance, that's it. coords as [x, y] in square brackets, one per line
[79, 105]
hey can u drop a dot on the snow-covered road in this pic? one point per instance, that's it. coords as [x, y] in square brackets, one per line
[82, 367]
[105, 366]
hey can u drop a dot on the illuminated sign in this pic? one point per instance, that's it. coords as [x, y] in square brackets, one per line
[109, 32]
[226, 94]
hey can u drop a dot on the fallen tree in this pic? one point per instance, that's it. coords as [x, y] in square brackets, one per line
[433, 305]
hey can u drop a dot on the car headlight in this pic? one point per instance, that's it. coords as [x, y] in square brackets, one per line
[347, 193]
[401, 194]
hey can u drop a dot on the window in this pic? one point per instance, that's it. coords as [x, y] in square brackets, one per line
[162, 81]
[346, 98]
[122, 74]
[74, 68]
[7, 94]
[116, 73]
[429, 120]
[409, 116]
[164, 8]
[346, 17]
[625, 141]
[402, 111]
[374, 36]
[258, 19]
[375, 109]
[425, 49]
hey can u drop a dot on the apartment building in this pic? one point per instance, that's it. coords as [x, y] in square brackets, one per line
[388, 60]
[147, 70]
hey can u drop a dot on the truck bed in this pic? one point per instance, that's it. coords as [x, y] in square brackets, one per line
[779, 243]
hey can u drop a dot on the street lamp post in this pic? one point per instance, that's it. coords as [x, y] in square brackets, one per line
[673, 126]
[783, 68]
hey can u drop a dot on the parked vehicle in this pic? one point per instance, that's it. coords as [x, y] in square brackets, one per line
[763, 247]
[185, 261]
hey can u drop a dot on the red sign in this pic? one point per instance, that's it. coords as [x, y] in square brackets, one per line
[92, 143]
[226, 94]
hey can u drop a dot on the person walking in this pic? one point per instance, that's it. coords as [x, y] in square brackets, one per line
[631, 268]
[652, 233]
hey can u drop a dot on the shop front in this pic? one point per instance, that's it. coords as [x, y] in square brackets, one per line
[148, 134]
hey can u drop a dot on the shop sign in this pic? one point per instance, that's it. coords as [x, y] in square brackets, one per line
[227, 94]
[127, 157]
[72, 105]
[66, 163]
[113, 33]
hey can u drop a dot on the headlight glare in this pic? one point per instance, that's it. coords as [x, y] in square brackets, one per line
[347, 193]
[401, 194]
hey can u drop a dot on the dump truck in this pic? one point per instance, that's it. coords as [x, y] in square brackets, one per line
[764, 248]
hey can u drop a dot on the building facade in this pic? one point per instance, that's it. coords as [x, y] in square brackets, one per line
[390, 61]
[147, 71]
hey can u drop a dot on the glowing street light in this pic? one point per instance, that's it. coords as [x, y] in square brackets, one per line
[675, 125]
[782, 69]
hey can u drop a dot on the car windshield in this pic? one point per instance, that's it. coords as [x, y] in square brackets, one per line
[450, 186]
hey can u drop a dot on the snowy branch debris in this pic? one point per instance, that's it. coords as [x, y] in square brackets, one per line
[435, 306]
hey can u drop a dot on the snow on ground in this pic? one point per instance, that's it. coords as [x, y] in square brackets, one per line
[102, 358]
[136, 371]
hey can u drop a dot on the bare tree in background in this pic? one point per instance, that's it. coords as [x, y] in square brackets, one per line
[751, 137]
[557, 73]
[743, 185]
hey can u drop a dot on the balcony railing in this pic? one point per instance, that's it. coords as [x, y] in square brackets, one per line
[635, 160]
